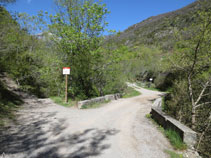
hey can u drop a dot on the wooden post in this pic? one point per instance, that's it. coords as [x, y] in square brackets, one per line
[66, 99]
[66, 71]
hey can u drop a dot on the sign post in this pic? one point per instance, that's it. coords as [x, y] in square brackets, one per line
[66, 71]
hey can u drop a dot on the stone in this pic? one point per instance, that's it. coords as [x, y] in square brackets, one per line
[98, 100]
[188, 135]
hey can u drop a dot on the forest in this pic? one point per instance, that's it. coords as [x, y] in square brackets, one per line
[174, 49]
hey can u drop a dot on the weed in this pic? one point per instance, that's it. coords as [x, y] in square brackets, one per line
[172, 154]
[163, 106]
[175, 139]
[130, 92]
[148, 115]
[60, 101]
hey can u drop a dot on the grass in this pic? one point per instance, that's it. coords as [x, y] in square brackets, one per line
[148, 116]
[60, 101]
[95, 105]
[172, 154]
[163, 106]
[173, 136]
[151, 88]
[130, 92]
[175, 139]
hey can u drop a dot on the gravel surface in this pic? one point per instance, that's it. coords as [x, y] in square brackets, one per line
[118, 129]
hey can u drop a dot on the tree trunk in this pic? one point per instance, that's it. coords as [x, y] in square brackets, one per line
[193, 121]
[180, 115]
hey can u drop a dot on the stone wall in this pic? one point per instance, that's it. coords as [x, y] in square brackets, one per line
[187, 134]
[98, 100]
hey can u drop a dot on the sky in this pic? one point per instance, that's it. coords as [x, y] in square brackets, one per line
[124, 13]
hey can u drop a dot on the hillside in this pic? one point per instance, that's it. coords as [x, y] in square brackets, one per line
[160, 30]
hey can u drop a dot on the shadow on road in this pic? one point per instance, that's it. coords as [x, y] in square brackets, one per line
[34, 140]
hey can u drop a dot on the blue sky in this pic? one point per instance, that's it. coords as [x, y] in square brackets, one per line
[124, 13]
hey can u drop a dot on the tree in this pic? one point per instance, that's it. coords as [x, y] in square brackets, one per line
[193, 57]
[9, 33]
[77, 29]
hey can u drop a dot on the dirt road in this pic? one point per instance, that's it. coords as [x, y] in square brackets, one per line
[119, 129]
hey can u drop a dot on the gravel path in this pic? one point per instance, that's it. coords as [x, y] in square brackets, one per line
[118, 129]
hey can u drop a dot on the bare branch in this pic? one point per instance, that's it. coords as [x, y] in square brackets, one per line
[202, 104]
[206, 94]
[190, 91]
[202, 92]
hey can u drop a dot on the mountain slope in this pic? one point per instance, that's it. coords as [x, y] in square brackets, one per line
[160, 30]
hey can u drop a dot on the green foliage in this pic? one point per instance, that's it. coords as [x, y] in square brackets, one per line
[204, 128]
[175, 139]
[177, 103]
[74, 40]
[14, 47]
[191, 61]
[31, 62]
[77, 31]
[49, 74]
[108, 70]
[173, 154]
[142, 62]
[9, 33]
[148, 116]
[60, 101]
[130, 92]
[161, 30]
